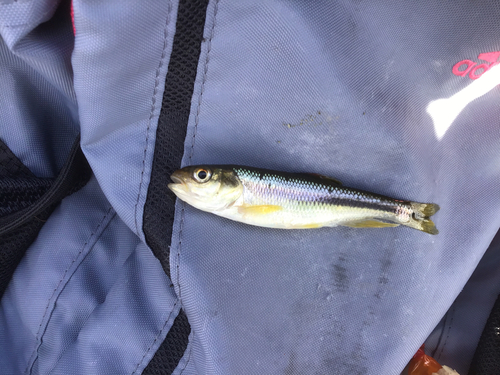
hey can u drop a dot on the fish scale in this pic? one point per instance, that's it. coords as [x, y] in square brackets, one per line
[271, 189]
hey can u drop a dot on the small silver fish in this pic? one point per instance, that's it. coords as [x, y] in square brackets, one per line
[293, 201]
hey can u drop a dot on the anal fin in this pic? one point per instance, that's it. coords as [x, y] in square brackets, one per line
[368, 223]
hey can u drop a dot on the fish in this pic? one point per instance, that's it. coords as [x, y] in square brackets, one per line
[285, 200]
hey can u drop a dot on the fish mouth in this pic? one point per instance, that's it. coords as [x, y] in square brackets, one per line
[176, 179]
[179, 186]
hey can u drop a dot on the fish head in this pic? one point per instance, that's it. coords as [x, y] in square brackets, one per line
[207, 188]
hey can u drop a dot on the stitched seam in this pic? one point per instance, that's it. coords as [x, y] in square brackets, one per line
[448, 335]
[153, 107]
[204, 79]
[189, 355]
[179, 252]
[438, 345]
[156, 338]
[197, 119]
[38, 339]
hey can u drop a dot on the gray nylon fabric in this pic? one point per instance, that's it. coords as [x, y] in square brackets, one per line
[89, 297]
[95, 303]
[454, 339]
[38, 110]
[120, 70]
[340, 89]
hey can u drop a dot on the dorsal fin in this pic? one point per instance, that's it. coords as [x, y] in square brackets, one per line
[323, 177]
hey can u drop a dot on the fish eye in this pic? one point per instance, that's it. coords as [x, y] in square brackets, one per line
[202, 175]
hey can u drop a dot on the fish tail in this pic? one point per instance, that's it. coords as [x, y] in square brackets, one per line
[420, 218]
[424, 209]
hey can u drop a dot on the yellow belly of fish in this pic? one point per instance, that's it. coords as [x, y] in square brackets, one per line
[274, 216]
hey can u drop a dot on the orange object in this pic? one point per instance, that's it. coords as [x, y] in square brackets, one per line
[422, 364]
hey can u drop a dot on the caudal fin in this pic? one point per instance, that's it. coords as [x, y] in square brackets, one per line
[425, 209]
[420, 218]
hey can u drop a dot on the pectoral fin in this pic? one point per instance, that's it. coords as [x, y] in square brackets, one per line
[304, 226]
[312, 226]
[368, 223]
[259, 210]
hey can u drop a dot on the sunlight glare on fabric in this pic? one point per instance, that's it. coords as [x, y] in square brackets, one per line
[444, 111]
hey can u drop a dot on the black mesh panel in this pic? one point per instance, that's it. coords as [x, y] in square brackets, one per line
[486, 359]
[169, 148]
[172, 349]
[10, 165]
[21, 192]
[172, 125]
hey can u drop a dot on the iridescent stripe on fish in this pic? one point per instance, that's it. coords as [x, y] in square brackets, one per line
[262, 187]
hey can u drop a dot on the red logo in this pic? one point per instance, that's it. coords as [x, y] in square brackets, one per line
[464, 67]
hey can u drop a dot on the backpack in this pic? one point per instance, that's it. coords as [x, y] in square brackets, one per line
[103, 271]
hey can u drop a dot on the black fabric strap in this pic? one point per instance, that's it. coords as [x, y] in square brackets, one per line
[486, 360]
[169, 148]
[27, 202]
